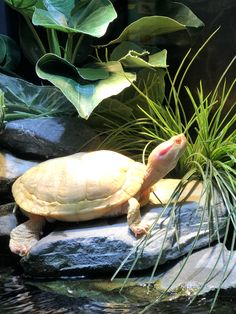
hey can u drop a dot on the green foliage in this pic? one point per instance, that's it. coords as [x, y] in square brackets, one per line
[175, 10]
[134, 59]
[26, 7]
[71, 27]
[9, 53]
[148, 27]
[105, 79]
[23, 100]
[90, 17]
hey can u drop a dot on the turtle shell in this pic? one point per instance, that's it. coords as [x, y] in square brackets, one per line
[79, 187]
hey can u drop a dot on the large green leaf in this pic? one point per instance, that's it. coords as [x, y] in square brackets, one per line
[148, 27]
[138, 58]
[175, 10]
[134, 59]
[9, 53]
[23, 99]
[123, 49]
[85, 87]
[90, 17]
[25, 7]
[182, 14]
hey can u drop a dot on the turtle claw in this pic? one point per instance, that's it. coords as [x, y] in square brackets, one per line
[140, 229]
[22, 248]
[25, 236]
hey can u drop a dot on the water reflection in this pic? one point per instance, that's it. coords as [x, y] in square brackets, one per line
[18, 296]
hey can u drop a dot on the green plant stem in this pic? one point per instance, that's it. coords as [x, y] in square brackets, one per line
[69, 48]
[173, 81]
[77, 46]
[35, 34]
[53, 42]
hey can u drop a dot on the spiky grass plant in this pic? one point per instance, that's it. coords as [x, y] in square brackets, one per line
[210, 156]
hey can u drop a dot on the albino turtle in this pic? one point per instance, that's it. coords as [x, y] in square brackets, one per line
[86, 186]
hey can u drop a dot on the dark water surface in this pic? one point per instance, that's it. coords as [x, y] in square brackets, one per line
[19, 295]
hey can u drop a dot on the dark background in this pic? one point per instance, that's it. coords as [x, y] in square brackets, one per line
[220, 51]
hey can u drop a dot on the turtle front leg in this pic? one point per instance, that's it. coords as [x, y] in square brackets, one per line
[26, 235]
[138, 227]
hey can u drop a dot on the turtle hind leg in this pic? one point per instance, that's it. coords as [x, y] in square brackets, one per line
[26, 235]
[138, 227]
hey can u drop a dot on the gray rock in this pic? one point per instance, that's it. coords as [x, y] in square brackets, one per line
[191, 279]
[206, 269]
[48, 137]
[103, 244]
[8, 220]
[10, 169]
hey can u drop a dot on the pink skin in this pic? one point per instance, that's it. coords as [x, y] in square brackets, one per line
[161, 161]
[26, 235]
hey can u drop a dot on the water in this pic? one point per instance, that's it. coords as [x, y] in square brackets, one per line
[19, 295]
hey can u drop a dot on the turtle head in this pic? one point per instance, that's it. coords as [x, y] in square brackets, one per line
[165, 157]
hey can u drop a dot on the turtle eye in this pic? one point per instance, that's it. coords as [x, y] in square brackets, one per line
[178, 141]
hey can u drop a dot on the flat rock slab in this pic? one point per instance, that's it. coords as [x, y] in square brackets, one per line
[102, 245]
[48, 137]
[206, 269]
[209, 261]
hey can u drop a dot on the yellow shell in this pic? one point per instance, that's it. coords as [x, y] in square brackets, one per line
[79, 187]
